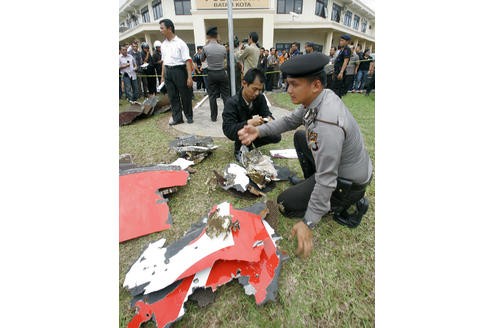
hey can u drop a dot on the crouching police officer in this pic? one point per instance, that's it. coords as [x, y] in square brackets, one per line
[331, 151]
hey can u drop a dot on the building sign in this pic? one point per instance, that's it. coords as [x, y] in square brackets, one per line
[236, 4]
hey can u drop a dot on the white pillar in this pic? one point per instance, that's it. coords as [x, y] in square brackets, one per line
[268, 24]
[364, 45]
[199, 31]
[328, 43]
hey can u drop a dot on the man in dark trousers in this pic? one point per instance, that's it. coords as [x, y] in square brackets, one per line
[157, 59]
[340, 65]
[248, 106]
[218, 83]
[331, 152]
[176, 73]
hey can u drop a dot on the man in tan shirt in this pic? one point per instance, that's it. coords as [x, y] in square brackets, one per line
[249, 54]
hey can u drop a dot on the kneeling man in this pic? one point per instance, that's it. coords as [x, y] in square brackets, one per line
[248, 107]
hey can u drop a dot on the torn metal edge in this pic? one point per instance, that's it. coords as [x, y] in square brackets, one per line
[150, 168]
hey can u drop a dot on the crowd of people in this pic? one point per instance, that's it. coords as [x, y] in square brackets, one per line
[331, 151]
[350, 70]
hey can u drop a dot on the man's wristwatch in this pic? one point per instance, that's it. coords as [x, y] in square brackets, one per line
[310, 224]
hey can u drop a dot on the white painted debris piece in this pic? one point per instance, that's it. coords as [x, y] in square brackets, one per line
[283, 153]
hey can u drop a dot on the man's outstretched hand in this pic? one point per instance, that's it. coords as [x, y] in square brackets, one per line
[248, 134]
[304, 239]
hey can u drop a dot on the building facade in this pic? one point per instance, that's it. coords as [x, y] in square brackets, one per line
[277, 22]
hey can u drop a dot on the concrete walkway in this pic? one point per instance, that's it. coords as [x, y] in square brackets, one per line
[203, 126]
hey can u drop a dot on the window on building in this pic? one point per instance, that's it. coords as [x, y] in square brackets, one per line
[157, 9]
[318, 47]
[145, 15]
[286, 6]
[132, 20]
[356, 22]
[336, 11]
[321, 8]
[282, 46]
[182, 7]
[347, 18]
[364, 23]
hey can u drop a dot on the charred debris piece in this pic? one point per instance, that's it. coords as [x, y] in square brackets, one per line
[256, 175]
[152, 105]
[227, 244]
[193, 148]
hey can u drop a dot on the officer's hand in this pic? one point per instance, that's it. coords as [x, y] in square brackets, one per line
[340, 76]
[189, 82]
[255, 121]
[248, 134]
[304, 239]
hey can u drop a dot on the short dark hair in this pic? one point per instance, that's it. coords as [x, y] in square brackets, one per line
[252, 74]
[168, 23]
[322, 76]
[253, 36]
[199, 47]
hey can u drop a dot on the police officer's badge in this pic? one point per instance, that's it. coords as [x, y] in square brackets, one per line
[313, 141]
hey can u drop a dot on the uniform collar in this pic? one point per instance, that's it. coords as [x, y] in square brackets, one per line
[316, 102]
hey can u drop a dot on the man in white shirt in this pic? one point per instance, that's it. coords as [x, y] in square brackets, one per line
[128, 67]
[176, 73]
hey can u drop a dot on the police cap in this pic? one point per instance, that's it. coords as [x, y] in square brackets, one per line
[212, 31]
[307, 65]
[346, 37]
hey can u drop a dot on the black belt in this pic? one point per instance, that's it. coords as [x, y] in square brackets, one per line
[175, 67]
[345, 184]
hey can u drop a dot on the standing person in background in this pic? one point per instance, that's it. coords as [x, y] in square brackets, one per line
[351, 70]
[218, 84]
[121, 82]
[283, 77]
[128, 67]
[136, 54]
[263, 61]
[272, 65]
[309, 47]
[200, 84]
[176, 73]
[157, 60]
[362, 73]
[329, 68]
[294, 50]
[149, 70]
[340, 65]
[248, 54]
[371, 78]
[237, 67]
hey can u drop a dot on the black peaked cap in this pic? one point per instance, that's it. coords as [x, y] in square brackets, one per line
[212, 31]
[305, 65]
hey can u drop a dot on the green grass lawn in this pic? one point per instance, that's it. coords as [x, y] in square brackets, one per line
[335, 287]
